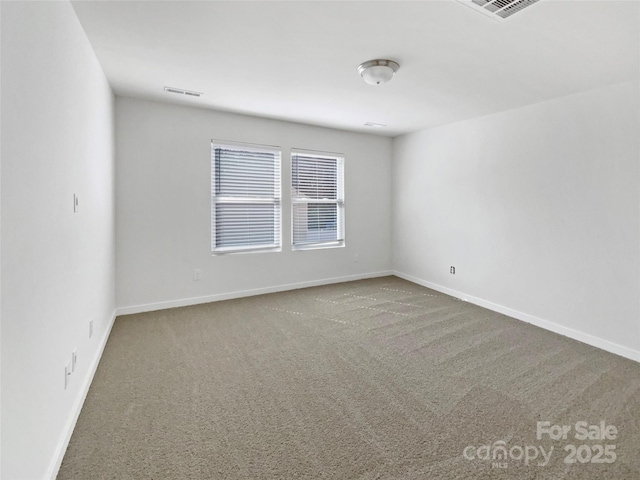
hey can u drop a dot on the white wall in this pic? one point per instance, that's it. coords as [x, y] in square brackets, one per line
[163, 206]
[58, 268]
[538, 210]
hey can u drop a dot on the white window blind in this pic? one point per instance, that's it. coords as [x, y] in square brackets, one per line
[245, 198]
[317, 182]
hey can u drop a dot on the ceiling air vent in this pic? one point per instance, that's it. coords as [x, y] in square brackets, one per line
[498, 9]
[179, 91]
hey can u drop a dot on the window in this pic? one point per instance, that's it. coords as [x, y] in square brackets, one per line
[317, 202]
[245, 198]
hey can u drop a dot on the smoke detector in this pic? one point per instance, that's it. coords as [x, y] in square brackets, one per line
[498, 9]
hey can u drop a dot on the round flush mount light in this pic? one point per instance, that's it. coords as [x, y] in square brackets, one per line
[377, 72]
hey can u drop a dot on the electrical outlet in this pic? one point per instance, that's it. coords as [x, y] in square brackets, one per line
[74, 359]
[67, 373]
[197, 274]
[76, 203]
[356, 258]
[91, 328]
[452, 270]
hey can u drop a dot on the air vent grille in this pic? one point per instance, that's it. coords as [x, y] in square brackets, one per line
[498, 9]
[179, 91]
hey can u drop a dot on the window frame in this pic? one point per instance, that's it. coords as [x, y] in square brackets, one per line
[339, 201]
[276, 201]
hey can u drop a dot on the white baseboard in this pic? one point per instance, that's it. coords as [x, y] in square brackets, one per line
[150, 307]
[77, 405]
[525, 317]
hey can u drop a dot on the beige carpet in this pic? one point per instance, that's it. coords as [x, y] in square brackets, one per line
[374, 379]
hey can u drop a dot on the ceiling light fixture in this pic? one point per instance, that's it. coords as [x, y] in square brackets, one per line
[377, 72]
[377, 125]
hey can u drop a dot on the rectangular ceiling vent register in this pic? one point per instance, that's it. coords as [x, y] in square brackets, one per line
[179, 91]
[498, 9]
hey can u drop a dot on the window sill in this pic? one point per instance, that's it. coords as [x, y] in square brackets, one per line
[318, 246]
[234, 250]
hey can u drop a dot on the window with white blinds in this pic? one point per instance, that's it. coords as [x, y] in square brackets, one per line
[245, 198]
[317, 201]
